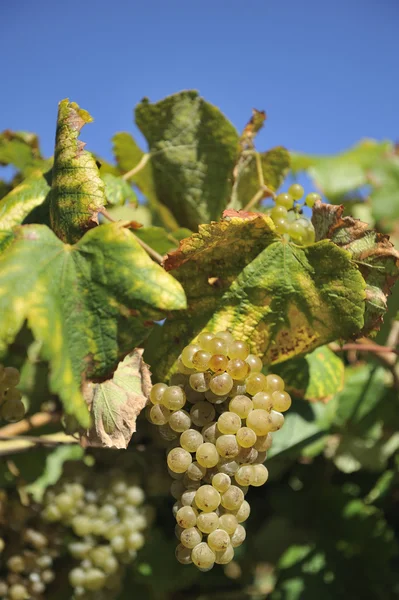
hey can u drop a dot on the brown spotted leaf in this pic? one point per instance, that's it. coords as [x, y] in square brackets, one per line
[116, 403]
[239, 274]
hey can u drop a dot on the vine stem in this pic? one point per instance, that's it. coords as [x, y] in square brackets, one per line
[263, 189]
[140, 165]
[150, 251]
[36, 420]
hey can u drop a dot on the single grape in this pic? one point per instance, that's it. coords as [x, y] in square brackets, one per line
[285, 200]
[134, 495]
[192, 396]
[221, 384]
[281, 225]
[241, 405]
[178, 379]
[157, 391]
[221, 482]
[311, 199]
[238, 536]
[187, 497]
[81, 525]
[274, 383]
[218, 540]
[238, 349]
[202, 556]
[179, 460]
[227, 446]
[191, 537]
[296, 191]
[94, 579]
[186, 517]
[65, 502]
[254, 363]
[207, 498]
[296, 231]
[263, 442]
[201, 360]
[202, 413]
[167, 433]
[225, 335]
[12, 411]
[118, 544]
[218, 346]
[244, 475]
[207, 522]
[281, 401]
[227, 466]
[229, 422]
[16, 564]
[214, 398]
[246, 437]
[218, 363]
[278, 212]
[196, 472]
[260, 475]
[210, 433]
[18, 592]
[238, 389]
[11, 377]
[243, 512]
[263, 400]
[238, 368]
[183, 370]
[77, 577]
[183, 555]
[207, 455]
[277, 420]
[225, 556]
[188, 354]
[190, 440]
[232, 498]
[180, 421]
[174, 398]
[204, 340]
[255, 382]
[260, 421]
[228, 522]
[159, 414]
[199, 382]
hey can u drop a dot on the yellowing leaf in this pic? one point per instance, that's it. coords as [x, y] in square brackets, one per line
[115, 404]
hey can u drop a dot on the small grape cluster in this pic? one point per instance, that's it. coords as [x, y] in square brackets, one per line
[286, 217]
[11, 406]
[27, 554]
[234, 408]
[108, 524]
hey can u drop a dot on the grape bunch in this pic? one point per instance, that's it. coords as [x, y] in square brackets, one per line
[216, 418]
[287, 218]
[108, 522]
[26, 554]
[11, 406]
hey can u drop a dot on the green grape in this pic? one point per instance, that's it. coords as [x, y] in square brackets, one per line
[238, 349]
[254, 363]
[81, 525]
[187, 497]
[263, 442]
[229, 467]
[246, 437]
[227, 446]
[263, 400]
[239, 388]
[221, 482]
[274, 383]
[192, 396]
[244, 475]
[202, 556]
[12, 411]
[218, 363]
[259, 475]
[202, 413]
[178, 379]
[228, 522]
[218, 346]
[182, 369]
[241, 405]
[221, 384]
[196, 472]
[65, 502]
[229, 422]
[13, 395]
[238, 536]
[180, 421]
[277, 420]
[225, 335]
[232, 498]
[174, 398]
[296, 231]
[191, 439]
[16, 564]
[186, 517]
[201, 360]
[191, 537]
[167, 433]
[225, 556]
[207, 498]
[207, 522]
[188, 354]
[199, 382]
[11, 377]
[237, 368]
[243, 512]
[135, 541]
[311, 199]
[204, 340]
[210, 433]
[281, 401]
[157, 391]
[183, 555]
[214, 398]
[77, 577]
[218, 540]
[260, 421]
[178, 531]
[94, 579]
[255, 382]
[278, 212]
[285, 200]
[18, 592]
[159, 414]
[296, 191]
[134, 495]
[179, 460]
[281, 225]
[118, 544]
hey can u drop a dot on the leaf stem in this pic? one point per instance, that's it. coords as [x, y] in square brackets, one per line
[36, 420]
[140, 165]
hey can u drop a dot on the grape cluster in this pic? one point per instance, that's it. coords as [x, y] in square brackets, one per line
[108, 524]
[26, 554]
[11, 406]
[217, 417]
[287, 219]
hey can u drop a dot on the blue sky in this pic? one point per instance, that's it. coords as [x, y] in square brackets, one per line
[325, 72]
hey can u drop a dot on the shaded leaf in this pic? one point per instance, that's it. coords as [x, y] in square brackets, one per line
[160, 240]
[283, 299]
[316, 377]
[193, 150]
[89, 304]
[385, 194]
[140, 214]
[21, 150]
[117, 190]
[77, 190]
[116, 403]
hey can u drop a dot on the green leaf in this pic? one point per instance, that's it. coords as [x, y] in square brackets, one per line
[193, 150]
[160, 240]
[77, 190]
[53, 470]
[141, 214]
[21, 150]
[283, 299]
[89, 304]
[115, 404]
[17, 205]
[385, 195]
[318, 376]
[118, 191]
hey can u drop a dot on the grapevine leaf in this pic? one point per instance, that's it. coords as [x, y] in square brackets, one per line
[318, 376]
[283, 299]
[77, 191]
[385, 195]
[117, 190]
[15, 207]
[160, 240]
[129, 156]
[193, 150]
[115, 404]
[21, 150]
[372, 252]
[89, 303]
